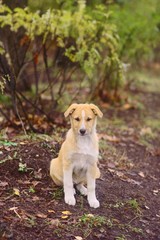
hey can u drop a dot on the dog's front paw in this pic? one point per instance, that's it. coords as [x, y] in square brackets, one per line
[70, 200]
[94, 203]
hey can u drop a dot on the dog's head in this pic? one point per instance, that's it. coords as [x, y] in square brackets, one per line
[83, 117]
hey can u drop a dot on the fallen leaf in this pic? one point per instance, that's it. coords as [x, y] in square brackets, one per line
[146, 131]
[128, 106]
[111, 165]
[13, 208]
[51, 211]
[90, 215]
[141, 174]
[3, 184]
[55, 222]
[64, 216]
[78, 238]
[66, 213]
[146, 207]
[16, 191]
[155, 192]
[35, 198]
[41, 215]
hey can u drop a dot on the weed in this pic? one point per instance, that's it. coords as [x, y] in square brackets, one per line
[92, 220]
[58, 232]
[31, 221]
[122, 237]
[135, 229]
[109, 223]
[22, 167]
[7, 143]
[118, 205]
[134, 205]
[57, 194]
[31, 190]
[153, 123]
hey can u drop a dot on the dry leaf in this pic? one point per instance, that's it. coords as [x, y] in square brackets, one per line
[128, 106]
[111, 165]
[13, 208]
[41, 215]
[66, 213]
[51, 211]
[55, 222]
[141, 174]
[16, 191]
[78, 238]
[146, 131]
[90, 215]
[3, 184]
[64, 216]
[155, 192]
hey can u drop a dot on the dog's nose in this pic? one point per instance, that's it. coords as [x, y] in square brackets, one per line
[82, 131]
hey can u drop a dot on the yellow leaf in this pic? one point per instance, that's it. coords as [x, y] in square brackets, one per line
[66, 212]
[51, 211]
[16, 191]
[64, 216]
[90, 215]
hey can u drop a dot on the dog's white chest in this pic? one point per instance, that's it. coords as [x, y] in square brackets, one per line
[85, 146]
[85, 154]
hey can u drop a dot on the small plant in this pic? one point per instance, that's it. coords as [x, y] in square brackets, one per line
[7, 143]
[135, 229]
[134, 205]
[31, 190]
[121, 238]
[31, 221]
[92, 220]
[22, 167]
[58, 194]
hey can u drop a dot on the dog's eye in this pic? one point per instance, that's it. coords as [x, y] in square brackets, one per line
[77, 119]
[89, 119]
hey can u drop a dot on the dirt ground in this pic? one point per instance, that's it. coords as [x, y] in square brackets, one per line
[32, 207]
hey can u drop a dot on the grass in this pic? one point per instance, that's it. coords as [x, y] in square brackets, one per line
[152, 123]
[145, 79]
[134, 205]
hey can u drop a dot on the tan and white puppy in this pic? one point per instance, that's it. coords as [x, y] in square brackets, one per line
[78, 156]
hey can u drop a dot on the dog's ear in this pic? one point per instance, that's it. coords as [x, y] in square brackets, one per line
[96, 110]
[70, 110]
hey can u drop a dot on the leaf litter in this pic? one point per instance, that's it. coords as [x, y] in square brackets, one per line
[40, 214]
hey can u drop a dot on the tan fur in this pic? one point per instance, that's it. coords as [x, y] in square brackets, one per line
[78, 156]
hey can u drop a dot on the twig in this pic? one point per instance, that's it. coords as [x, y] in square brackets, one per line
[7, 118]
[47, 70]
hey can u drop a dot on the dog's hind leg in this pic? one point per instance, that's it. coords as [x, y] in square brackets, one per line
[82, 189]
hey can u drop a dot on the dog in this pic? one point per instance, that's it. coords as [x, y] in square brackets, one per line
[76, 163]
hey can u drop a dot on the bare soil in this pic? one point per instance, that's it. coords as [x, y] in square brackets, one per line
[32, 207]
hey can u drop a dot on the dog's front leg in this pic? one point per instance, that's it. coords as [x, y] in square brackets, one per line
[93, 202]
[68, 187]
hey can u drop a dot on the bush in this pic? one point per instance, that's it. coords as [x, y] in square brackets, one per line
[57, 43]
[138, 24]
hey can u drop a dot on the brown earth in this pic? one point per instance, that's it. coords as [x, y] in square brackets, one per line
[32, 207]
